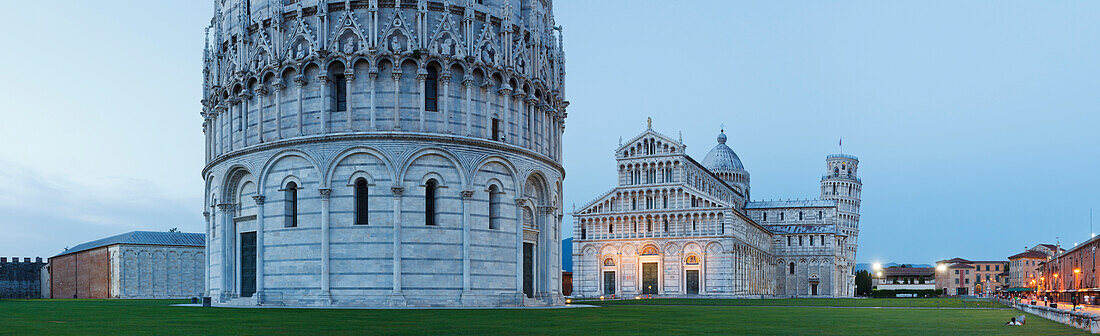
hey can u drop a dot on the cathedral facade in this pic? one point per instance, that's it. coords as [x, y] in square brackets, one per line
[383, 153]
[676, 227]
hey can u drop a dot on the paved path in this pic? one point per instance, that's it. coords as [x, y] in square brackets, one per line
[776, 306]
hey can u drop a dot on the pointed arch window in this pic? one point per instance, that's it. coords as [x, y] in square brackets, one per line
[791, 267]
[430, 190]
[494, 208]
[290, 205]
[431, 90]
[340, 93]
[362, 202]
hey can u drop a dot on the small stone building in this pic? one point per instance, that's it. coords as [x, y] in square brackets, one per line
[20, 279]
[134, 265]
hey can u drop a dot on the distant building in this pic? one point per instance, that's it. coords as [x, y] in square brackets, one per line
[134, 265]
[20, 279]
[675, 226]
[1071, 275]
[1024, 267]
[910, 278]
[959, 276]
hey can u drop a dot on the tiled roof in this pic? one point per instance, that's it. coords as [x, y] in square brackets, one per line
[956, 260]
[143, 238]
[804, 203]
[1030, 255]
[809, 229]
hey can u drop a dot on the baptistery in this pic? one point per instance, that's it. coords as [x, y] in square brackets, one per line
[383, 153]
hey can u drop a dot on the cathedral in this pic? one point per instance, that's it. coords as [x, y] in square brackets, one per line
[673, 226]
[383, 153]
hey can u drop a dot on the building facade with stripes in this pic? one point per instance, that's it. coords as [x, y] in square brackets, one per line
[675, 227]
[383, 153]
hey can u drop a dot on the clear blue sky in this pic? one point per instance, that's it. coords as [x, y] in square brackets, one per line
[974, 121]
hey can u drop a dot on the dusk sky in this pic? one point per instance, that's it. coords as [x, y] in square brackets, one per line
[975, 122]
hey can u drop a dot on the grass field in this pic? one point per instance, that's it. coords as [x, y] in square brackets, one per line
[133, 317]
[927, 303]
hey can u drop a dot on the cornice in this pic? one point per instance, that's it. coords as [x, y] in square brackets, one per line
[340, 137]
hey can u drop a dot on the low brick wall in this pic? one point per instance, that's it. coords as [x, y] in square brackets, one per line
[1079, 320]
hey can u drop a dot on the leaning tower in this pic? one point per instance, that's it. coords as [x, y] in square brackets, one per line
[383, 152]
[841, 183]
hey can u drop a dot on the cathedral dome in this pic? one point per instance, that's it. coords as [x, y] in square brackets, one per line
[722, 158]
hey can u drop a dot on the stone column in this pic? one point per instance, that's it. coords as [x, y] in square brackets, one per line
[488, 108]
[325, 249]
[372, 76]
[301, 81]
[545, 263]
[232, 133]
[520, 108]
[225, 271]
[260, 111]
[397, 298]
[396, 99]
[467, 84]
[505, 115]
[324, 81]
[278, 86]
[467, 200]
[260, 231]
[246, 96]
[208, 131]
[446, 80]
[206, 280]
[349, 79]
[531, 107]
[420, 78]
[519, 247]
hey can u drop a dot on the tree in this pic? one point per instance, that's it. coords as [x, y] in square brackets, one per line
[863, 283]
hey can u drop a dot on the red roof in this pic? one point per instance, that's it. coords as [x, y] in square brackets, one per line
[1029, 255]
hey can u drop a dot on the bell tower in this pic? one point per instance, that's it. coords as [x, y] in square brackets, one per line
[841, 183]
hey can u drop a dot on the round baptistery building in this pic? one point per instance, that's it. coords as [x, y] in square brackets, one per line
[366, 153]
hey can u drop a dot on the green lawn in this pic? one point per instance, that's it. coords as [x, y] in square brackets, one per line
[931, 302]
[103, 317]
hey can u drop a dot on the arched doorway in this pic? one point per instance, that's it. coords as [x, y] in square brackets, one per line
[650, 257]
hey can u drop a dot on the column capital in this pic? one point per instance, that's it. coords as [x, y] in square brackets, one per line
[206, 214]
[245, 95]
[467, 194]
[325, 193]
[259, 199]
[323, 78]
[421, 76]
[262, 90]
[395, 75]
[397, 191]
[520, 201]
[467, 82]
[300, 80]
[349, 76]
[278, 85]
[445, 77]
[225, 207]
[546, 210]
